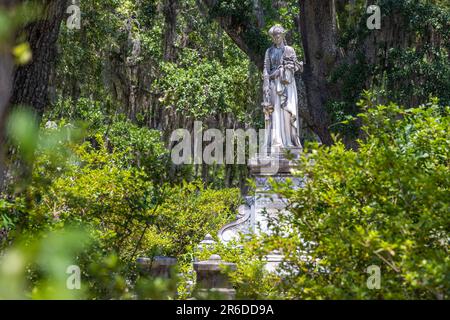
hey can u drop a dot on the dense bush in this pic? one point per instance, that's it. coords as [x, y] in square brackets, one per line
[118, 213]
[220, 87]
[139, 148]
[385, 205]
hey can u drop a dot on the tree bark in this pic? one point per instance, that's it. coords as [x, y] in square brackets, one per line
[170, 29]
[6, 76]
[6, 79]
[31, 81]
[28, 84]
[319, 34]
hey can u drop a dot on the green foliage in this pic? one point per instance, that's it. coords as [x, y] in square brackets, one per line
[121, 204]
[98, 190]
[42, 269]
[191, 211]
[218, 89]
[142, 148]
[93, 113]
[94, 189]
[251, 279]
[429, 67]
[139, 147]
[45, 261]
[408, 67]
[240, 14]
[102, 189]
[384, 205]
[12, 20]
[22, 127]
[352, 77]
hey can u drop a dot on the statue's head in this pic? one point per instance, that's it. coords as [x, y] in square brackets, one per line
[277, 34]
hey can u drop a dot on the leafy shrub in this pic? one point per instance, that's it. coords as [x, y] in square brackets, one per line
[386, 205]
[251, 279]
[122, 213]
[140, 148]
[219, 89]
[191, 211]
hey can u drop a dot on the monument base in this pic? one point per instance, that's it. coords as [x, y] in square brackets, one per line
[254, 217]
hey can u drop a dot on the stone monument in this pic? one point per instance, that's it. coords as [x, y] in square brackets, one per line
[281, 146]
[212, 280]
[280, 100]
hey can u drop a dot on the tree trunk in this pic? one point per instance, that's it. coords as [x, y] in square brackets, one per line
[28, 84]
[31, 81]
[6, 79]
[170, 29]
[6, 76]
[319, 33]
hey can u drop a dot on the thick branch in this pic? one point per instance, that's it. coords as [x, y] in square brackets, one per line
[247, 34]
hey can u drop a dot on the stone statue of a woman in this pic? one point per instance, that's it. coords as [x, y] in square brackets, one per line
[280, 93]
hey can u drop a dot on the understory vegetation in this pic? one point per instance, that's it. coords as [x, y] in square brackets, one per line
[87, 180]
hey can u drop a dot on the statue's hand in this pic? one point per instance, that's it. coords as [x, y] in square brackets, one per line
[268, 110]
[299, 66]
[275, 74]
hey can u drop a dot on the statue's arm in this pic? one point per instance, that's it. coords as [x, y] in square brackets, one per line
[291, 62]
[298, 64]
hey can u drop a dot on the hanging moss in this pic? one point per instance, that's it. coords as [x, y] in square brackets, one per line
[408, 73]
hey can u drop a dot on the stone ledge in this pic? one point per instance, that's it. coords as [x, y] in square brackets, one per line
[274, 163]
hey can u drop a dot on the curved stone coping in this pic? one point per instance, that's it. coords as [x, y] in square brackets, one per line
[244, 212]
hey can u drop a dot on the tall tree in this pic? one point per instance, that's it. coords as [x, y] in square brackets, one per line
[319, 34]
[28, 84]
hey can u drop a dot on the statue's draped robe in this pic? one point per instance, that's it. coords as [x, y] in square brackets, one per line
[279, 68]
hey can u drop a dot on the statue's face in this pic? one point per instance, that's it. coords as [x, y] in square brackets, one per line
[278, 38]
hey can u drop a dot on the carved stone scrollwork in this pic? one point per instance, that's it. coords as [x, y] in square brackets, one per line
[242, 225]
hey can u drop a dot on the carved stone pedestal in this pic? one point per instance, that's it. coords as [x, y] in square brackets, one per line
[158, 267]
[254, 216]
[212, 282]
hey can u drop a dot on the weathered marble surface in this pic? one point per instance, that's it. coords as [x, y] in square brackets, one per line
[264, 204]
[280, 97]
[212, 280]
